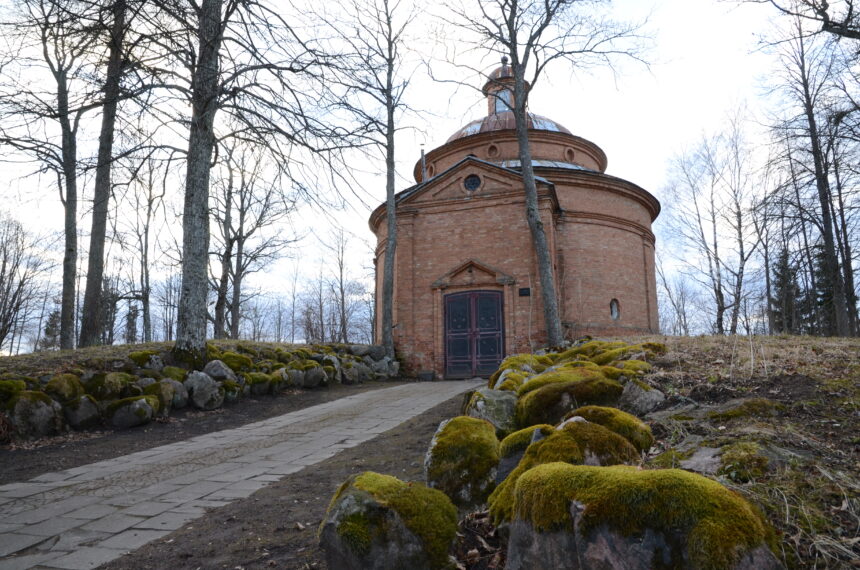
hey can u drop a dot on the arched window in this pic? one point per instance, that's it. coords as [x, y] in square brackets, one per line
[614, 310]
[504, 101]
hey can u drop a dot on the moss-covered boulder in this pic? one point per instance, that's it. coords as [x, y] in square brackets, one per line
[174, 373]
[35, 414]
[237, 362]
[82, 413]
[180, 393]
[560, 375]
[165, 392]
[132, 412]
[65, 388]
[743, 461]
[495, 406]
[147, 359]
[513, 447]
[109, 386]
[578, 443]
[355, 373]
[626, 425]
[549, 404]
[462, 459]
[312, 376]
[260, 383]
[623, 517]
[377, 522]
[9, 390]
[204, 393]
[219, 371]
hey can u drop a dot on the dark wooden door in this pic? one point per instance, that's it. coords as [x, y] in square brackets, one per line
[474, 333]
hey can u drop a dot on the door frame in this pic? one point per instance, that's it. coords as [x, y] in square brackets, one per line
[500, 295]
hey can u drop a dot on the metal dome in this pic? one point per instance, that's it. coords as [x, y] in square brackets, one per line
[505, 121]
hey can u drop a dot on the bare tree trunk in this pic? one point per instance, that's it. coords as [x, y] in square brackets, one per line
[227, 254]
[91, 317]
[236, 304]
[552, 317]
[390, 205]
[70, 205]
[191, 319]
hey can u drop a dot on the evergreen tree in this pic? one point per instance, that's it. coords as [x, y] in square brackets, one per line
[51, 338]
[786, 317]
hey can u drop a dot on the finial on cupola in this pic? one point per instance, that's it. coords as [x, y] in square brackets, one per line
[504, 60]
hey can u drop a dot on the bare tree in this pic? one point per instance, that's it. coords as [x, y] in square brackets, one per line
[532, 34]
[21, 268]
[840, 18]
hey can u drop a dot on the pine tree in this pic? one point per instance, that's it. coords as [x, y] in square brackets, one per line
[786, 318]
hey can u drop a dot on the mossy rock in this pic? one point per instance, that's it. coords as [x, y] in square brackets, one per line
[9, 389]
[232, 390]
[259, 382]
[242, 348]
[754, 407]
[237, 362]
[174, 373]
[65, 388]
[304, 365]
[461, 460]
[529, 363]
[547, 405]
[35, 414]
[212, 352]
[577, 443]
[268, 366]
[141, 357]
[165, 393]
[131, 412]
[109, 386]
[82, 413]
[626, 425]
[576, 374]
[519, 440]
[150, 373]
[588, 350]
[495, 406]
[670, 459]
[510, 380]
[743, 462]
[377, 522]
[688, 520]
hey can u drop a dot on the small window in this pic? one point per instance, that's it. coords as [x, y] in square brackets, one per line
[614, 310]
[492, 151]
[504, 101]
[472, 182]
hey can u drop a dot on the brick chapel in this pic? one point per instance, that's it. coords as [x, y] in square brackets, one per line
[466, 288]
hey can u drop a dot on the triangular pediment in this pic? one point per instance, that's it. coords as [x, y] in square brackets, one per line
[472, 273]
[469, 179]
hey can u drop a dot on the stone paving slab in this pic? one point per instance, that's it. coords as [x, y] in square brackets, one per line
[85, 516]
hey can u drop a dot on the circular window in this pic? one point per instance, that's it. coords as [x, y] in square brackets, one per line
[431, 170]
[614, 310]
[472, 182]
[492, 151]
[569, 155]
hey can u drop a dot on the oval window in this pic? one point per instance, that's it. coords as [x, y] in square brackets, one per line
[569, 155]
[614, 310]
[492, 151]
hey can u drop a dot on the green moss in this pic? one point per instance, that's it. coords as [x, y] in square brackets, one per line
[549, 404]
[743, 462]
[670, 459]
[257, 378]
[230, 386]
[212, 352]
[426, 512]
[65, 388]
[329, 371]
[141, 357]
[464, 452]
[612, 372]
[556, 376]
[520, 440]
[268, 365]
[243, 348]
[117, 404]
[645, 387]
[682, 418]
[174, 373]
[164, 392]
[529, 363]
[588, 350]
[757, 407]
[634, 366]
[10, 388]
[626, 425]
[358, 530]
[719, 524]
[32, 396]
[303, 365]
[149, 373]
[237, 362]
[108, 386]
[575, 443]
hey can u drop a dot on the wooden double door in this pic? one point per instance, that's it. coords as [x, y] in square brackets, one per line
[474, 333]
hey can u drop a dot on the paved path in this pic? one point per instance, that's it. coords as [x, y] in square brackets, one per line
[86, 516]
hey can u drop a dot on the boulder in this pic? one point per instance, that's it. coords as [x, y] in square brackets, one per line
[639, 398]
[155, 362]
[314, 377]
[577, 442]
[577, 517]
[219, 371]
[132, 412]
[109, 386]
[64, 388]
[377, 522]
[204, 392]
[35, 414]
[513, 448]
[297, 377]
[495, 406]
[82, 413]
[462, 459]
[549, 403]
[626, 425]
[164, 391]
[356, 373]
[376, 351]
[359, 350]
[180, 394]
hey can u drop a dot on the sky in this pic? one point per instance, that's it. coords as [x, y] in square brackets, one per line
[702, 65]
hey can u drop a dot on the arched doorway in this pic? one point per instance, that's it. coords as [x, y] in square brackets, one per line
[474, 333]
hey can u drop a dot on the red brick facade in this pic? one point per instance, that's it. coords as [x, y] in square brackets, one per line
[453, 239]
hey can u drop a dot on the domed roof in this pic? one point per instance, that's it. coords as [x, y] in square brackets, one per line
[505, 121]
